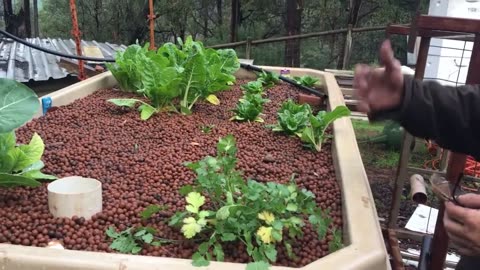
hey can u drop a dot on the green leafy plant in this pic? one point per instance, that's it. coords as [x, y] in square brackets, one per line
[151, 210]
[292, 117]
[261, 216]
[268, 79]
[306, 80]
[249, 108]
[18, 104]
[125, 69]
[133, 239]
[207, 128]
[253, 87]
[146, 110]
[174, 77]
[20, 165]
[336, 243]
[314, 133]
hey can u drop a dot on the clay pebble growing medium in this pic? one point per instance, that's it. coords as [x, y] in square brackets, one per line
[141, 163]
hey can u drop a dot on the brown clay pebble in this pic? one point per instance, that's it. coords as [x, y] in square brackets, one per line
[141, 163]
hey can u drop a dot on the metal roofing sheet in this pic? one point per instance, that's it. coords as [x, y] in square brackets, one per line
[22, 63]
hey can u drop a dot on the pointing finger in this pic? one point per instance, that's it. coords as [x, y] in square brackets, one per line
[387, 57]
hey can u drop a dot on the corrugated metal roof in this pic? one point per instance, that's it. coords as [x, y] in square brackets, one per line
[22, 63]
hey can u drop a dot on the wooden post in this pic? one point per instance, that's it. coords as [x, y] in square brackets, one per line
[348, 47]
[402, 170]
[248, 49]
[456, 166]
[77, 35]
[151, 18]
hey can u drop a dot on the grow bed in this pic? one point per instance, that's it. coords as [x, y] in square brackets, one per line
[141, 163]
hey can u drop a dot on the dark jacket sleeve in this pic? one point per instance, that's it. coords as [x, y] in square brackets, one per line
[448, 115]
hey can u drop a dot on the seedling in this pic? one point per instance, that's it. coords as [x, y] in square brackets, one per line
[249, 108]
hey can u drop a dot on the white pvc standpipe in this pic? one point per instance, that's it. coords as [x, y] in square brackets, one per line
[75, 196]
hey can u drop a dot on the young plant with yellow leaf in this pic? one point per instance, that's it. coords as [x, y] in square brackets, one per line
[260, 215]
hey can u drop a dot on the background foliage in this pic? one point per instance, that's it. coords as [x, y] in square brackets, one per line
[125, 21]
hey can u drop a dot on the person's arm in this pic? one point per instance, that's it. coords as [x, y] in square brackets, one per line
[448, 115]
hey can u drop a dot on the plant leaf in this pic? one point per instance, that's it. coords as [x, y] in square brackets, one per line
[195, 200]
[270, 252]
[185, 190]
[224, 212]
[37, 174]
[18, 104]
[190, 227]
[147, 238]
[213, 99]
[9, 180]
[146, 111]
[198, 260]
[226, 237]
[218, 251]
[151, 210]
[292, 207]
[124, 102]
[31, 153]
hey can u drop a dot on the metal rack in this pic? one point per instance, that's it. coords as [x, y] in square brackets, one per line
[426, 28]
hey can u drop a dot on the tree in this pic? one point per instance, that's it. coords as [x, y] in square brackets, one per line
[234, 20]
[293, 26]
[36, 31]
[28, 24]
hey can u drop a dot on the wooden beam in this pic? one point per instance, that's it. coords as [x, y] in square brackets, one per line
[450, 24]
[404, 30]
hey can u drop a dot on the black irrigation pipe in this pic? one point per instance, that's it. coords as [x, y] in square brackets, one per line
[77, 57]
[285, 79]
[111, 60]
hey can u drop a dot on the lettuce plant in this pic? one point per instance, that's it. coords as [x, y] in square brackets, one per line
[268, 79]
[20, 165]
[306, 80]
[253, 87]
[174, 77]
[292, 117]
[314, 134]
[239, 212]
[125, 69]
[249, 108]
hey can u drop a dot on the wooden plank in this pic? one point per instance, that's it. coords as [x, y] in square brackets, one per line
[450, 24]
[405, 30]
[347, 91]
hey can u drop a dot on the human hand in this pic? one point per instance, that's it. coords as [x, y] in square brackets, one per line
[463, 224]
[379, 88]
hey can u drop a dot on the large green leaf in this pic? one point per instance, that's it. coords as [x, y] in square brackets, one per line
[229, 60]
[7, 145]
[18, 104]
[124, 102]
[146, 111]
[37, 174]
[338, 112]
[8, 180]
[124, 69]
[29, 153]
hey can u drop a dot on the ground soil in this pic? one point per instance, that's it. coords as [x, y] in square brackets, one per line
[141, 163]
